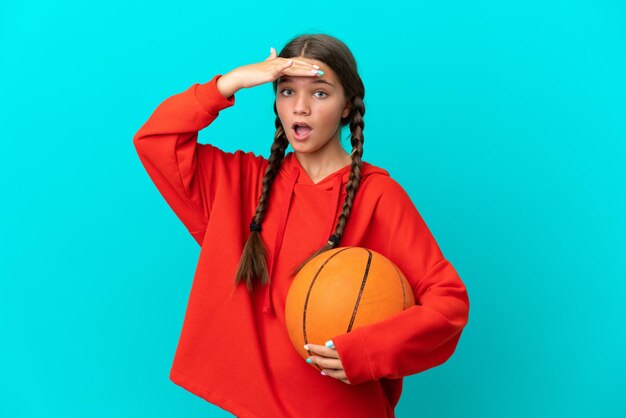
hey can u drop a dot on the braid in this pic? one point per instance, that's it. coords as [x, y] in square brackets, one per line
[277, 155]
[357, 124]
[356, 128]
[253, 261]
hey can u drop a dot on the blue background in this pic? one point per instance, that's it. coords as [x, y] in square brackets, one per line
[504, 121]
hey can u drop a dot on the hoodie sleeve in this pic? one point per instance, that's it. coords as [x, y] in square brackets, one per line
[424, 335]
[184, 171]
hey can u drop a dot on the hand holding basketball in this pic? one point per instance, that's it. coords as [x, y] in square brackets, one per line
[328, 360]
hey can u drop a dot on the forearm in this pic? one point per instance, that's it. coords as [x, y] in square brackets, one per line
[228, 85]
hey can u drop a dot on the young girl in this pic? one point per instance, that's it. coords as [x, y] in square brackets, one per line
[259, 220]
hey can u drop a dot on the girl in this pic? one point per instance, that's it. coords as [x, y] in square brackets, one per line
[259, 220]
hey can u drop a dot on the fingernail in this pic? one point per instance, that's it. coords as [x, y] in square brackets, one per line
[320, 72]
[322, 373]
[329, 344]
[316, 66]
[309, 360]
[306, 346]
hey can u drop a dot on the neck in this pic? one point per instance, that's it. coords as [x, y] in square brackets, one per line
[323, 162]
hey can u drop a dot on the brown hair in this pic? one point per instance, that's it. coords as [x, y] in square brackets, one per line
[334, 53]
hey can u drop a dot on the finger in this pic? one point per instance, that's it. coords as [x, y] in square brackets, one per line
[325, 362]
[299, 69]
[286, 64]
[337, 374]
[273, 55]
[301, 72]
[302, 62]
[322, 350]
[299, 60]
[307, 63]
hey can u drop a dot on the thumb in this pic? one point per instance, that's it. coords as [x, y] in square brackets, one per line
[272, 53]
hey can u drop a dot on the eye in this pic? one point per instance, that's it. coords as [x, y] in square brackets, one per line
[323, 92]
[284, 90]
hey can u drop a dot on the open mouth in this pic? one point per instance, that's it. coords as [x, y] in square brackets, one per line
[301, 130]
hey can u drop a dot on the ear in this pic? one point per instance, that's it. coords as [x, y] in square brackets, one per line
[346, 110]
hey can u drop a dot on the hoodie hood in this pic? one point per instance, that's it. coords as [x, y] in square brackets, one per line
[294, 173]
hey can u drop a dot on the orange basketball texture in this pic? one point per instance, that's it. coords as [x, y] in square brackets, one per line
[342, 289]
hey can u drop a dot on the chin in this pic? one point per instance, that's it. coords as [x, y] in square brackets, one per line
[303, 149]
[298, 146]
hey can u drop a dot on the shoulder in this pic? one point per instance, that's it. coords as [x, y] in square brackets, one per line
[229, 158]
[381, 185]
[387, 200]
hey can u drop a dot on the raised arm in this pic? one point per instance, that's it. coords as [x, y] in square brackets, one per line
[186, 172]
[178, 165]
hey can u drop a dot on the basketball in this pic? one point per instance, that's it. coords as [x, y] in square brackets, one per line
[340, 290]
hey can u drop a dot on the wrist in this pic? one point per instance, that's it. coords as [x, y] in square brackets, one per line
[227, 85]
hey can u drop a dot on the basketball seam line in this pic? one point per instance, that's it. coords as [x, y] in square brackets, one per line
[363, 281]
[308, 293]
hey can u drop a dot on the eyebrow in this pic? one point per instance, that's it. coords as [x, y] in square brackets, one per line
[286, 79]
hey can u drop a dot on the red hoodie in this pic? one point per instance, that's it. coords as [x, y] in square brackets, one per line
[234, 350]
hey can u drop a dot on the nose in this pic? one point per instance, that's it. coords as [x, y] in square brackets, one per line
[301, 106]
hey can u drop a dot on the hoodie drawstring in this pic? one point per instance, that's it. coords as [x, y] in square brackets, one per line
[267, 306]
[336, 196]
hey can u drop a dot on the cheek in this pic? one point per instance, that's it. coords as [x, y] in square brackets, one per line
[280, 109]
[332, 116]
[279, 106]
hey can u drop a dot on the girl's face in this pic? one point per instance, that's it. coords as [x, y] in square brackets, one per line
[317, 101]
